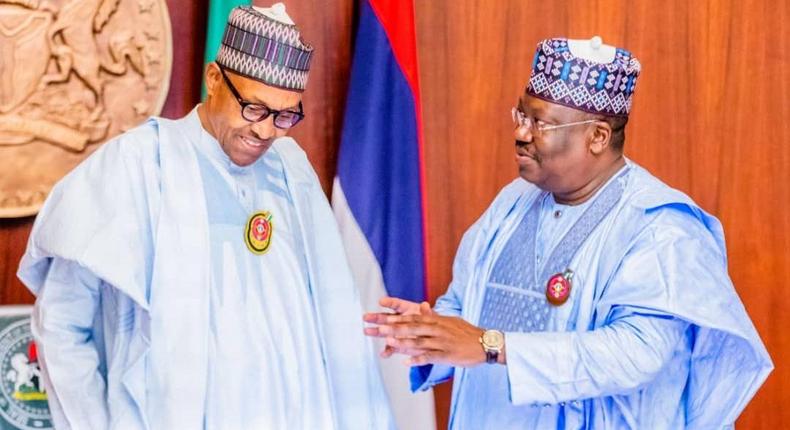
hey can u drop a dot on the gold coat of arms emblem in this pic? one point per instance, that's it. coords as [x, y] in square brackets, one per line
[73, 73]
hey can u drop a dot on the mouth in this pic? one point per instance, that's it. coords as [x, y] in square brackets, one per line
[522, 155]
[520, 152]
[255, 143]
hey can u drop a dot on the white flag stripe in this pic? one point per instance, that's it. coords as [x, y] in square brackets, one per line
[413, 411]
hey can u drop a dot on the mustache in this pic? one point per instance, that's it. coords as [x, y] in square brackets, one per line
[520, 144]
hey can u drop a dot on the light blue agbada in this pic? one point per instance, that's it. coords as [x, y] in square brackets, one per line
[653, 335]
[134, 318]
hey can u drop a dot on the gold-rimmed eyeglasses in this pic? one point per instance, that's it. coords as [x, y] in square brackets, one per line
[538, 127]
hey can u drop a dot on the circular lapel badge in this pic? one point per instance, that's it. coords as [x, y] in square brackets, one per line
[258, 232]
[558, 289]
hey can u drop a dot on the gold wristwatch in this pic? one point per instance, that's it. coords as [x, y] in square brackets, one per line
[493, 342]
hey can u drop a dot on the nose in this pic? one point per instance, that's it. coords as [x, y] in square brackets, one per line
[523, 133]
[265, 129]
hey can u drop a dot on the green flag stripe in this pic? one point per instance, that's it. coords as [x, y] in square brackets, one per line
[218, 11]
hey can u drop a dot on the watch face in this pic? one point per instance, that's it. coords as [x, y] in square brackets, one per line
[493, 338]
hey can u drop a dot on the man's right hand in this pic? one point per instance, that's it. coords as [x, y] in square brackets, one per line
[400, 307]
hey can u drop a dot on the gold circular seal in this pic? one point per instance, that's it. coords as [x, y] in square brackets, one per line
[258, 232]
[73, 74]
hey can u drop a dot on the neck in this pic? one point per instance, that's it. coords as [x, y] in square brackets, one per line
[581, 195]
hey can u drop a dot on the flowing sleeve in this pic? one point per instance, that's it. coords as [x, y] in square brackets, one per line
[449, 304]
[551, 367]
[62, 324]
[469, 251]
[672, 279]
[93, 234]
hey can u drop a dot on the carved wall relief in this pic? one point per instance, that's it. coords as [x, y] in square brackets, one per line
[73, 73]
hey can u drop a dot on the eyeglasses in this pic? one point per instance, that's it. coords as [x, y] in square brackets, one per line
[538, 127]
[256, 112]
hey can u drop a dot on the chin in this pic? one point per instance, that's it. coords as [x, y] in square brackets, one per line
[245, 161]
[532, 176]
[528, 173]
[244, 156]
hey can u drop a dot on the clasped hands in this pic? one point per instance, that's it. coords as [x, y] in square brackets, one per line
[426, 337]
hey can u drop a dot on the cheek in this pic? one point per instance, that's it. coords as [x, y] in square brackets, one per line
[553, 151]
[233, 125]
[231, 114]
[566, 149]
[561, 162]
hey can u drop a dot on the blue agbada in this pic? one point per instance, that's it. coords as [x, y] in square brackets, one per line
[152, 313]
[653, 335]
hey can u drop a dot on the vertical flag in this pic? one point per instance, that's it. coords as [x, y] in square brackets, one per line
[378, 195]
[218, 11]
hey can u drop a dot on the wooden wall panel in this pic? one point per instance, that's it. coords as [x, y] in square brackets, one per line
[13, 240]
[188, 23]
[710, 118]
[327, 25]
[754, 186]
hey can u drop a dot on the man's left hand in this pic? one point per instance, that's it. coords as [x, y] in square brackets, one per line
[429, 339]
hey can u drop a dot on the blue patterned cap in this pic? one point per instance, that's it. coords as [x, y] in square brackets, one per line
[604, 88]
[265, 45]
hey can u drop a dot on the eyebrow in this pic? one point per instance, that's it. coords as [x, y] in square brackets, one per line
[544, 114]
[522, 105]
[292, 108]
[257, 101]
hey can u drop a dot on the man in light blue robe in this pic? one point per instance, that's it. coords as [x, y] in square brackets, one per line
[190, 275]
[589, 294]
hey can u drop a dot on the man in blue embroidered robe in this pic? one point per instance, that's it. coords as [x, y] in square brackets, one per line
[189, 274]
[598, 295]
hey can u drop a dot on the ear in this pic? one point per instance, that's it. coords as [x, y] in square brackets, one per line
[213, 79]
[601, 137]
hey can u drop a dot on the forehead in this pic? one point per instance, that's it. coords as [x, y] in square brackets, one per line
[257, 92]
[531, 104]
